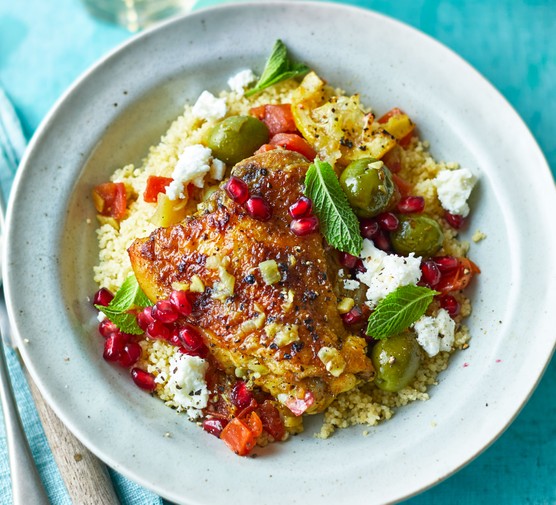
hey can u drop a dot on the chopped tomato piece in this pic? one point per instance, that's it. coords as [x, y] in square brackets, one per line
[277, 118]
[272, 422]
[393, 160]
[294, 142]
[265, 148]
[241, 435]
[391, 113]
[110, 199]
[155, 185]
[397, 123]
[459, 277]
[404, 187]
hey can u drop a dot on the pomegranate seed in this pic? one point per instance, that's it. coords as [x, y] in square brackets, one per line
[302, 208]
[130, 354]
[388, 221]
[360, 266]
[145, 317]
[369, 228]
[103, 297]
[241, 396]
[381, 241]
[237, 189]
[449, 304]
[113, 347]
[158, 330]
[214, 426]
[354, 316]
[304, 225]
[446, 263]
[191, 339]
[143, 379]
[164, 311]
[107, 328]
[180, 302]
[411, 204]
[258, 208]
[347, 260]
[454, 220]
[201, 353]
[430, 273]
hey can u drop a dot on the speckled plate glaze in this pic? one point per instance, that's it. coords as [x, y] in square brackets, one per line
[123, 104]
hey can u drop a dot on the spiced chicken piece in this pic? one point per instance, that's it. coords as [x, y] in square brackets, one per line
[286, 337]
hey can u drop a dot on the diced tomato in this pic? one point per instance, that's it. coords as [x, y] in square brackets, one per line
[404, 187]
[241, 435]
[155, 185]
[294, 142]
[110, 199]
[265, 148]
[277, 118]
[393, 160]
[459, 277]
[272, 422]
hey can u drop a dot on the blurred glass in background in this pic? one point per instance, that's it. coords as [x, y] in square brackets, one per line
[137, 14]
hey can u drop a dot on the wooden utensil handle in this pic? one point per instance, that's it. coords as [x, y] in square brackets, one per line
[86, 478]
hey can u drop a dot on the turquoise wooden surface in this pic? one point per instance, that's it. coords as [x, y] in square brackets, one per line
[46, 44]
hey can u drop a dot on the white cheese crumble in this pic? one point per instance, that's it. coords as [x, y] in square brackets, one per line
[386, 272]
[241, 80]
[435, 334]
[209, 107]
[187, 384]
[453, 188]
[351, 285]
[194, 163]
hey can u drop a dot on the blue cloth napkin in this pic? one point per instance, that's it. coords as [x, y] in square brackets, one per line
[12, 146]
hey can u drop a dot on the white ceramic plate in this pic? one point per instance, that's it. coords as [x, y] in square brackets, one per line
[125, 102]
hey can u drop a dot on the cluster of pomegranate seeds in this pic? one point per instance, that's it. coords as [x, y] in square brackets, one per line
[214, 426]
[143, 379]
[454, 220]
[376, 229]
[304, 222]
[103, 297]
[449, 304]
[411, 205]
[256, 206]
[354, 316]
[119, 347]
[241, 396]
[351, 262]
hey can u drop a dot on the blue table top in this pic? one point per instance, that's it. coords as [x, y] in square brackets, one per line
[45, 45]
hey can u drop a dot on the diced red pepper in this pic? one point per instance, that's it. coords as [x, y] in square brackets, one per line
[110, 199]
[241, 435]
[265, 148]
[459, 277]
[277, 118]
[155, 185]
[294, 142]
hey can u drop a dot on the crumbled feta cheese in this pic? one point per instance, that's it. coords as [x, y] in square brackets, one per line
[435, 334]
[209, 107]
[217, 169]
[100, 316]
[351, 285]
[453, 188]
[193, 165]
[341, 273]
[187, 384]
[386, 272]
[241, 80]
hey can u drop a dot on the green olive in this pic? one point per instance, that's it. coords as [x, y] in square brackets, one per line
[417, 233]
[236, 138]
[369, 187]
[396, 360]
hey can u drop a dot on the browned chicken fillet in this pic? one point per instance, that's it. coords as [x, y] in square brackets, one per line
[286, 337]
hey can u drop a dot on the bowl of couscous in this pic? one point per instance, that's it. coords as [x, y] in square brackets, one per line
[232, 297]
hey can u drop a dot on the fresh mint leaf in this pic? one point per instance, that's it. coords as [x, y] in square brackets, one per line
[129, 296]
[338, 222]
[399, 310]
[278, 68]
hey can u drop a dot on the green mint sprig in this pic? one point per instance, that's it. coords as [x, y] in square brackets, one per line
[338, 223]
[278, 68]
[398, 310]
[129, 296]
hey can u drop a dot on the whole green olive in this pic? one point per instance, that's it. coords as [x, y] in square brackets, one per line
[417, 233]
[396, 360]
[236, 138]
[369, 187]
